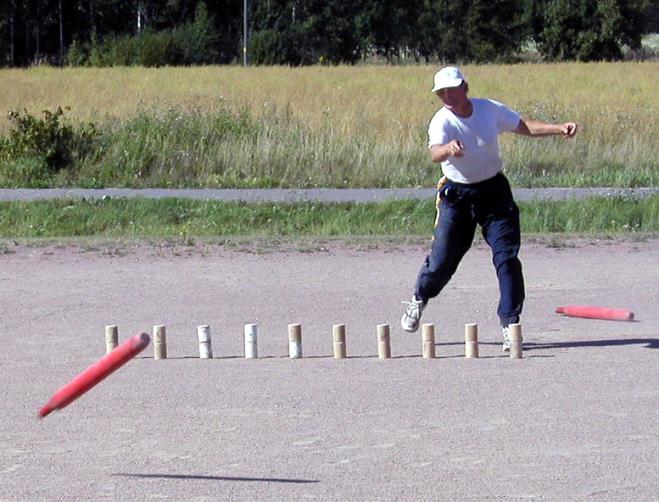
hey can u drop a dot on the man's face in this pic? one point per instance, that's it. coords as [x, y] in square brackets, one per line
[453, 96]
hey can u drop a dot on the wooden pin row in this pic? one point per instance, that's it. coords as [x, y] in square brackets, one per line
[338, 337]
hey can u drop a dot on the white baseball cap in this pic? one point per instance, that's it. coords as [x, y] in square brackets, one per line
[448, 76]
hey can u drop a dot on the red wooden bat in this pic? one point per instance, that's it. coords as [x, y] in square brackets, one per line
[96, 373]
[605, 313]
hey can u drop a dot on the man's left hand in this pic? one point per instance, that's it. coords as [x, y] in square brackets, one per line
[569, 129]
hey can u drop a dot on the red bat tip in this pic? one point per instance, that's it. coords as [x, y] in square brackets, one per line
[45, 411]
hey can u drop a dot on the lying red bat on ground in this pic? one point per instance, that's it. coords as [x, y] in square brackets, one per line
[605, 313]
[95, 373]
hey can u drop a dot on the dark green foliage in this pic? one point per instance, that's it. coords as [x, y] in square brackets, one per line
[77, 55]
[302, 33]
[269, 47]
[299, 32]
[493, 29]
[390, 29]
[197, 42]
[156, 49]
[590, 30]
[651, 16]
[192, 43]
[37, 147]
[470, 30]
[110, 51]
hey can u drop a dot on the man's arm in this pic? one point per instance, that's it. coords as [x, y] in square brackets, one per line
[439, 153]
[530, 127]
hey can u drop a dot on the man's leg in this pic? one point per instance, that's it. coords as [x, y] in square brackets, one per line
[454, 231]
[501, 231]
[454, 234]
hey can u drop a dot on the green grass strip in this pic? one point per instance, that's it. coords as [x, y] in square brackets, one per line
[135, 218]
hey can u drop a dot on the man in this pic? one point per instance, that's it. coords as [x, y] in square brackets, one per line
[473, 191]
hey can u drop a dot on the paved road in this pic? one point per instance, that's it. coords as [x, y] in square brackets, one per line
[302, 195]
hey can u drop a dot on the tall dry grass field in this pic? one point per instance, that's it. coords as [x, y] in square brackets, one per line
[370, 120]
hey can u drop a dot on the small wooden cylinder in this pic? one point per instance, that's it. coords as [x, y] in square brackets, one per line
[295, 341]
[159, 342]
[205, 346]
[339, 337]
[515, 341]
[384, 341]
[251, 342]
[471, 341]
[111, 338]
[428, 335]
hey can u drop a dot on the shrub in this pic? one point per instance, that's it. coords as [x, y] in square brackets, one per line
[122, 51]
[266, 47]
[77, 54]
[100, 52]
[50, 142]
[156, 49]
[193, 43]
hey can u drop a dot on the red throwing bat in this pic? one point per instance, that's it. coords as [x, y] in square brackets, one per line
[96, 373]
[608, 314]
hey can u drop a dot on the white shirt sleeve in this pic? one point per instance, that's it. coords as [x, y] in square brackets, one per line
[436, 132]
[507, 119]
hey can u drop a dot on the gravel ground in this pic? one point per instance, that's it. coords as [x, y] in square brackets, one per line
[575, 419]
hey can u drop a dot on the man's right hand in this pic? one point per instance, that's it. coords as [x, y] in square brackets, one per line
[439, 153]
[455, 148]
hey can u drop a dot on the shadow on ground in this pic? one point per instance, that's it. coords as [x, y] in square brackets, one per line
[212, 478]
[649, 343]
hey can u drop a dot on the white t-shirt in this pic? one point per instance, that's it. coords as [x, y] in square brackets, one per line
[478, 133]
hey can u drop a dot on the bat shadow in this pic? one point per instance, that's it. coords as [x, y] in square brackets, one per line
[189, 357]
[649, 343]
[213, 478]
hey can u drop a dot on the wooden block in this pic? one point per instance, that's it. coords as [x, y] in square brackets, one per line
[339, 337]
[159, 342]
[205, 346]
[384, 341]
[251, 342]
[428, 336]
[516, 350]
[111, 338]
[471, 341]
[295, 341]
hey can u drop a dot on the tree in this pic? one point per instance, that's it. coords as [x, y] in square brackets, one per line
[61, 32]
[493, 30]
[591, 30]
[227, 16]
[301, 32]
[440, 33]
[388, 28]
[469, 30]
[651, 15]
[7, 31]
[198, 40]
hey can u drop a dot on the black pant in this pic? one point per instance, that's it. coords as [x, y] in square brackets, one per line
[489, 204]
